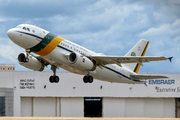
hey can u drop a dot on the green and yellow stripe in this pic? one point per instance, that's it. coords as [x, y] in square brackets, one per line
[47, 45]
[136, 70]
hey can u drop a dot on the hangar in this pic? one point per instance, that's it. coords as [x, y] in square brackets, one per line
[29, 93]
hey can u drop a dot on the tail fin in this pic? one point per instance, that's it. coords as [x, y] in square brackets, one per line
[138, 50]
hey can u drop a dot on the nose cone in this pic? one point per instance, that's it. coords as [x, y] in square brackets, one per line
[10, 33]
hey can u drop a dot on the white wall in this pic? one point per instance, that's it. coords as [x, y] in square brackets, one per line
[139, 107]
[44, 106]
[26, 106]
[40, 106]
[72, 85]
[6, 79]
[52, 107]
[72, 107]
[113, 107]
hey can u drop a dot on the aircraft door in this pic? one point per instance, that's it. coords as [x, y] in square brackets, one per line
[38, 32]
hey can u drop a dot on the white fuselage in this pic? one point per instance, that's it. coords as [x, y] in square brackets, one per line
[31, 37]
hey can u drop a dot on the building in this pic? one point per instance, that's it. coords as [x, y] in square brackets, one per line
[7, 67]
[29, 93]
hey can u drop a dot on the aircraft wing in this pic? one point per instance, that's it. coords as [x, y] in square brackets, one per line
[42, 60]
[140, 77]
[104, 60]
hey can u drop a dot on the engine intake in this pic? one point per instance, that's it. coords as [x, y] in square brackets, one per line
[32, 62]
[81, 61]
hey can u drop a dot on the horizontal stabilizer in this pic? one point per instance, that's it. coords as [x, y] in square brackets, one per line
[140, 77]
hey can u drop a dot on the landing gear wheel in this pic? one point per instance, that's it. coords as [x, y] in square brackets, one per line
[56, 79]
[90, 79]
[53, 79]
[87, 79]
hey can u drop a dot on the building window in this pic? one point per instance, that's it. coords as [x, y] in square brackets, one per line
[2, 106]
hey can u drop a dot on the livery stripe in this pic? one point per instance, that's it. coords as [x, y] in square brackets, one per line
[51, 46]
[30, 34]
[65, 48]
[136, 70]
[47, 45]
[145, 49]
[45, 41]
[122, 74]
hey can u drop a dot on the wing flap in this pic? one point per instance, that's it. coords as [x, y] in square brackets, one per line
[140, 77]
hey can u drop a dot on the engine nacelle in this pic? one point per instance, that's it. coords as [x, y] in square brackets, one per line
[81, 61]
[32, 62]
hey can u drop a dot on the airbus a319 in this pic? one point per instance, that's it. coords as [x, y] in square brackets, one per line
[59, 52]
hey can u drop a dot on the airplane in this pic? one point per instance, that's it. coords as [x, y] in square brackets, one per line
[61, 53]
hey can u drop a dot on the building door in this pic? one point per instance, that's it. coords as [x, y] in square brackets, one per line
[2, 106]
[177, 107]
[92, 107]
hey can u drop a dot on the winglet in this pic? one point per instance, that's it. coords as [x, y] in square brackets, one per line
[170, 59]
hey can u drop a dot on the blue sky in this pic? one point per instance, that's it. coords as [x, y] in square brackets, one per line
[111, 27]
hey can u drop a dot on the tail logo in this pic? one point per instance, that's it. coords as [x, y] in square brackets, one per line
[133, 54]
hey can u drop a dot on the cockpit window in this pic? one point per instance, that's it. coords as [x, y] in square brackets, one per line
[28, 29]
[24, 28]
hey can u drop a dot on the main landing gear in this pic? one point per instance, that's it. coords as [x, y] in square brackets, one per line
[88, 79]
[53, 78]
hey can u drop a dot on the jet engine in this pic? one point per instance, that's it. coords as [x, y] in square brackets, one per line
[30, 62]
[81, 61]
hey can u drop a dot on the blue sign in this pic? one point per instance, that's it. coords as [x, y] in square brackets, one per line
[159, 82]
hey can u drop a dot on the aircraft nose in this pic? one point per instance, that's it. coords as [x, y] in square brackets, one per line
[10, 33]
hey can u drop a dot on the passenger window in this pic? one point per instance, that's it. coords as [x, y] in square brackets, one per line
[28, 29]
[24, 28]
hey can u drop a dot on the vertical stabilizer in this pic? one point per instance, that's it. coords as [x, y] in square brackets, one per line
[138, 50]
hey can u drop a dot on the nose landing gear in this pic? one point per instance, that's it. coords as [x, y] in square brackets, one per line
[26, 59]
[53, 78]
